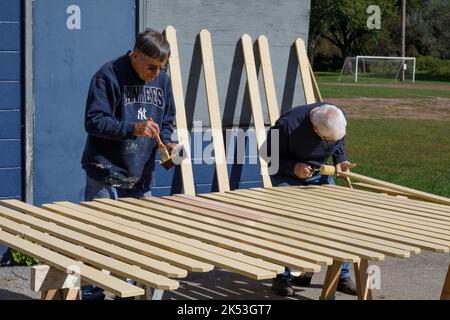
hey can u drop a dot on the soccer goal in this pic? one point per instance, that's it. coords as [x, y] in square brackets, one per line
[378, 69]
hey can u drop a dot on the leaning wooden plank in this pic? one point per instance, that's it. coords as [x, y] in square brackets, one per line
[412, 239]
[293, 227]
[322, 202]
[379, 205]
[111, 244]
[229, 223]
[416, 193]
[168, 235]
[303, 62]
[60, 262]
[251, 250]
[213, 107]
[269, 83]
[90, 257]
[307, 212]
[182, 131]
[229, 228]
[255, 103]
[176, 247]
[397, 200]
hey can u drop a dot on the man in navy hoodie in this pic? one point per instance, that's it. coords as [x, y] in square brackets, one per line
[307, 137]
[129, 102]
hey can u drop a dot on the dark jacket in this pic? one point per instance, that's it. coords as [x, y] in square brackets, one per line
[299, 143]
[117, 99]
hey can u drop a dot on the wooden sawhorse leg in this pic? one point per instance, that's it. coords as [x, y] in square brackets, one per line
[331, 281]
[446, 289]
[362, 280]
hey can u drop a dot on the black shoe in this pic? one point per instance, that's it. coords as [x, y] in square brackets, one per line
[347, 286]
[282, 287]
[92, 293]
[303, 280]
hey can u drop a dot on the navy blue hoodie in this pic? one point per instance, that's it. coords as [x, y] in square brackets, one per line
[298, 141]
[117, 99]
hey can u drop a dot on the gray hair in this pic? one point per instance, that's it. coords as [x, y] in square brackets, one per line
[153, 44]
[330, 121]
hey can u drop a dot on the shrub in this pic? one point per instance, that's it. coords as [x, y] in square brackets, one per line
[433, 65]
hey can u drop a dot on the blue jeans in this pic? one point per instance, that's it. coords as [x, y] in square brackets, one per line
[97, 190]
[317, 179]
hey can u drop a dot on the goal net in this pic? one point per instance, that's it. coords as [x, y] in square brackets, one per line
[378, 69]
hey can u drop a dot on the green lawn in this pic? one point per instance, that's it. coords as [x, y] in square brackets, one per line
[331, 87]
[412, 153]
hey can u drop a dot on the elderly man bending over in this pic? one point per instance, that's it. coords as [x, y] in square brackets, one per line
[308, 136]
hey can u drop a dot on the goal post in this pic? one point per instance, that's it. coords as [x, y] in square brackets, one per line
[379, 69]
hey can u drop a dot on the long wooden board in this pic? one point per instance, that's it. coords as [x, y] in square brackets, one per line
[309, 231]
[213, 107]
[90, 257]
[322, 202]
[437, 247]
[181, 123]
[255, 102]
[267, 255]
[86, 238]
[171, 236]
[415, 193]
[60, 262]
[331, 216]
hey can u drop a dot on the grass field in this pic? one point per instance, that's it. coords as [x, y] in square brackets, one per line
[410, 152]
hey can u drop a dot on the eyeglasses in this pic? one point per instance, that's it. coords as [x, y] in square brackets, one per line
[152, 67]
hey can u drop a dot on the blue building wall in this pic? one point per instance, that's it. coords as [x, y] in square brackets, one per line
[64, 61]
[10, 101]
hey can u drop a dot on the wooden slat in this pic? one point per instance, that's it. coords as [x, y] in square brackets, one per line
[158, 203]
[171, 236]
[292, 227]
[92, 258]
[177, 247]
[255, 102]
[178, 97]
[435, 207]
[379, 189]
[331, 216]
[322, 202]
[406, 210]
[213, 107]
[276, 233]
[174, 215]
[60, 262]
[299, 264]
[342, 203]
[305, 75]
[415, 193]
[345, 226]
[269, 83]
[106, 242]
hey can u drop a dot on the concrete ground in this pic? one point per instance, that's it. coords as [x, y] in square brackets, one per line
[420, 277]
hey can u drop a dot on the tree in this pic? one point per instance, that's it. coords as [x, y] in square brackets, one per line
[344, 24]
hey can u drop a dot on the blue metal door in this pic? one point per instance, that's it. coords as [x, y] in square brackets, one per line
[72, 39]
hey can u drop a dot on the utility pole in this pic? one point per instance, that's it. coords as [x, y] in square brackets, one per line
[403, 37]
